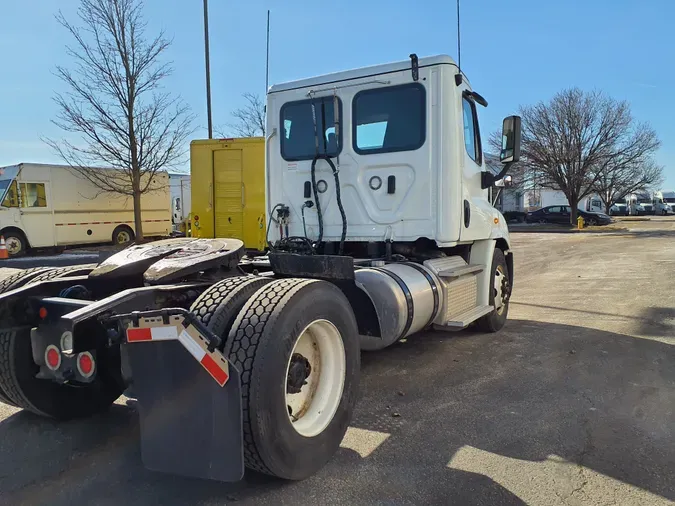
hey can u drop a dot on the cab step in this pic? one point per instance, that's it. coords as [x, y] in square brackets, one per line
[461, 271]
[464, 319]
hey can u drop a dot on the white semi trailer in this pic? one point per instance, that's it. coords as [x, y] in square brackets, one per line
[380, 227]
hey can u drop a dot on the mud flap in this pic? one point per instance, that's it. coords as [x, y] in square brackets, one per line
[190, 425]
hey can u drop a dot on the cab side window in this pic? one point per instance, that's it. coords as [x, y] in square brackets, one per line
[25, 195]
[471, 131]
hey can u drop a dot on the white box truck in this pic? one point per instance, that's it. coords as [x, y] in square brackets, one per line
[52, 205]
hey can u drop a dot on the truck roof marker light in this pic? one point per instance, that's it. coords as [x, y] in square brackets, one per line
[52, 357]
[86, 364]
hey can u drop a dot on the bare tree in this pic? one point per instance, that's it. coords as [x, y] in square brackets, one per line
[616, 184]
[250, 119]
[115, 103]
[569, 142]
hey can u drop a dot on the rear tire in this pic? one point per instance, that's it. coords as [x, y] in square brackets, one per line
[122, 235]
[262, 345]
[495, 320]
[219, 305]
[15, 280]
[18, 382]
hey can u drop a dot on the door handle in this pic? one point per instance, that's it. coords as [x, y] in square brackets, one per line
[243, 195]
[211, 195]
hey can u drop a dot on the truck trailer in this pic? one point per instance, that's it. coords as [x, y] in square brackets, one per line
[52, 205]
[379, 228]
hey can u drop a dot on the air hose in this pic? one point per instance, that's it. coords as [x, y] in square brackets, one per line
[337, 197]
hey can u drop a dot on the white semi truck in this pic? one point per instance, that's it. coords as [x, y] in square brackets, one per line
[380, 227]
[662, 202]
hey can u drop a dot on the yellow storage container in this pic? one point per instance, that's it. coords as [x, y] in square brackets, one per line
[228, 189]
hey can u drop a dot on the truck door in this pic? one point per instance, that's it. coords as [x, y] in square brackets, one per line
[37, 218]
[228, 193]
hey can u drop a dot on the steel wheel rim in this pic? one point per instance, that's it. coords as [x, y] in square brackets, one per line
[13, 245]
[123, 236]
[311, 410]
[498, 284]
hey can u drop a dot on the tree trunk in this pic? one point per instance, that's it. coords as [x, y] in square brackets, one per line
[138, 223]
[608, 204]
[574, 204]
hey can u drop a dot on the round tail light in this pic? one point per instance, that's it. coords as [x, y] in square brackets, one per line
[86, 364]
[53, 357]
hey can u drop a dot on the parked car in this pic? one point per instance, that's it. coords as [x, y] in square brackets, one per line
[561, 215]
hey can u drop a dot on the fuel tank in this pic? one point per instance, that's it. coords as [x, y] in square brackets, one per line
[407, 299]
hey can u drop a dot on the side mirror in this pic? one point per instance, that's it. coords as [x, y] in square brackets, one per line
[510, 152]
[177, 203]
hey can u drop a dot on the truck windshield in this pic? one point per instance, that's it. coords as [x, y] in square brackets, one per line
[669, 200]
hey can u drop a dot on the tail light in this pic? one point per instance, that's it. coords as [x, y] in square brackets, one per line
[53, 357]
[86, 364]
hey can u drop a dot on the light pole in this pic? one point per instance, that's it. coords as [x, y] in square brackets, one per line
[208, 67]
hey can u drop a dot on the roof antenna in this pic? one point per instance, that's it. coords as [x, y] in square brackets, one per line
[267, 64]
[458, 75]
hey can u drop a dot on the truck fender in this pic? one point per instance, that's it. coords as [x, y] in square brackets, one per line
[481, 254]
[367, 318]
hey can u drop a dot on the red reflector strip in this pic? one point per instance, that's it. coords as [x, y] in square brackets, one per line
[137, 335]
[209, 361]
[214, 370]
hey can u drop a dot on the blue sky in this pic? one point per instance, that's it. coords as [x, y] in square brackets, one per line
[514, 52]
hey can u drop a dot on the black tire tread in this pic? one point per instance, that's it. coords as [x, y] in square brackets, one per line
[491, 322]
[213, 308]
[21, 278]
[11, 282]
[242, 344]
[60, 272]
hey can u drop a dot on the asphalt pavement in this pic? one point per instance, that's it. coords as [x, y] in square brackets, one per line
[573, 402]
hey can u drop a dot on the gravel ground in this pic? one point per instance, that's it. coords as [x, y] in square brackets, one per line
[572, 403]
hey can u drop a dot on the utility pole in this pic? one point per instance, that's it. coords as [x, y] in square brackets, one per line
[208, 67]
[267, 58]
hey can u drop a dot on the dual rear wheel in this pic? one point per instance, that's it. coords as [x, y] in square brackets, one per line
[296, 344]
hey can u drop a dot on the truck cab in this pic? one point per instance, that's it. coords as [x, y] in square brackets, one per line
[660, 205]
[406, 144]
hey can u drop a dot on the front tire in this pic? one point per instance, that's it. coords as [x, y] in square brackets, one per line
[16, 243]
[499, 295]
[295, 337]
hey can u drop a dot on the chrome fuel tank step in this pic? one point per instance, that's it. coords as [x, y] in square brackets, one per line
[410, 297]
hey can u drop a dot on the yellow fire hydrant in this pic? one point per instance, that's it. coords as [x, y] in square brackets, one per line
[580, 222]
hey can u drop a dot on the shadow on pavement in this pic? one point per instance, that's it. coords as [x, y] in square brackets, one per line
[601, 401]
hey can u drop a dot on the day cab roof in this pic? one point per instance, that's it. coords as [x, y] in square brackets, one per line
[364, 72]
